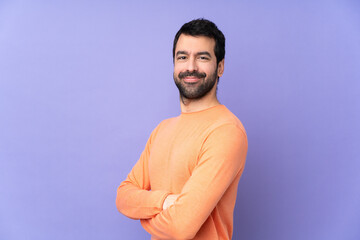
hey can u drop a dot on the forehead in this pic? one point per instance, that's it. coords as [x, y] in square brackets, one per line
[195, 44]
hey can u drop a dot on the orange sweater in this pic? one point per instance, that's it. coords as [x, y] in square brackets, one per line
[199, 155]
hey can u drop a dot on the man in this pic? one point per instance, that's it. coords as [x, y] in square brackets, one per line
[185, 182]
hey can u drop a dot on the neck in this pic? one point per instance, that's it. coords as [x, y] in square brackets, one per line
[195, 105]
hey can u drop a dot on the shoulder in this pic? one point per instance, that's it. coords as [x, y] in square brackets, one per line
[224, 119]
[164, 125]
[167, 122]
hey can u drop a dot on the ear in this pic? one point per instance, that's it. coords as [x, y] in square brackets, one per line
[220, 70]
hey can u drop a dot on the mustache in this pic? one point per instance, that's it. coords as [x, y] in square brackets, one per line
[192, 74]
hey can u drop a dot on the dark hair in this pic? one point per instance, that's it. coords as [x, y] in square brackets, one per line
[203, 27]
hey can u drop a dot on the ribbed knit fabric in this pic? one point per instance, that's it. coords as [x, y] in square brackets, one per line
[199, 155]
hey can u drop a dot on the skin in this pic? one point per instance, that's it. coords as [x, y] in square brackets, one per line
[170, 200]
[195, 54]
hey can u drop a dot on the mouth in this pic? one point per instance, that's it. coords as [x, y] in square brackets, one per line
[191, 79]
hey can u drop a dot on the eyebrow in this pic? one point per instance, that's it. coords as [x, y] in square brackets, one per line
[204, 53]
[199, 53]
[181, 52]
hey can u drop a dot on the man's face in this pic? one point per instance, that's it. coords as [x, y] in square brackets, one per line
[195, 68]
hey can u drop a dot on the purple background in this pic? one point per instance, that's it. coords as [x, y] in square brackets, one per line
[83, 83]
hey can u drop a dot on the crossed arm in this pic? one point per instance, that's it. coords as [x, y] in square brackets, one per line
[169, 216]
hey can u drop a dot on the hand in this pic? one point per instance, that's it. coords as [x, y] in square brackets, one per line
[169, 200]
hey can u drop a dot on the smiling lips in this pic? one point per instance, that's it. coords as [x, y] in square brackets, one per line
[191, 79]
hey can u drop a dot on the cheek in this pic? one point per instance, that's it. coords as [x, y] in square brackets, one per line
[178, 69]
[207, 69]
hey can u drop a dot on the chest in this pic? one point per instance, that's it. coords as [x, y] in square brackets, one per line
[173, 157]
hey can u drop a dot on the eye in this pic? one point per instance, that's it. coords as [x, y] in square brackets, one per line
[204, 58]
[181, 58]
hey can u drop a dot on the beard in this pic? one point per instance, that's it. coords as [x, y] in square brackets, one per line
[198, 89]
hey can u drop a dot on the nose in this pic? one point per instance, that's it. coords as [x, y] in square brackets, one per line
[191, 65]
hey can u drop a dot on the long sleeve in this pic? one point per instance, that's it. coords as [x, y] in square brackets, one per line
[220, 164]
[134, 196]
